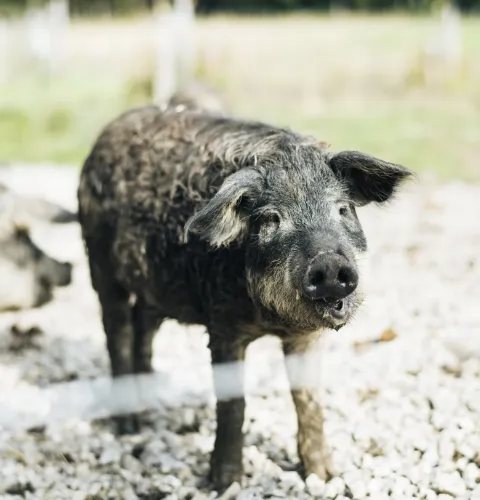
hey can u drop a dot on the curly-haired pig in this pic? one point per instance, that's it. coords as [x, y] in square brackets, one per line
[28, 276]
[237, 225]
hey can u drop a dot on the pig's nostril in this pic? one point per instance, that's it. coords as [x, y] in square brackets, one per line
[347, 279]
[330, 278]
[344, 276]
[317, 278]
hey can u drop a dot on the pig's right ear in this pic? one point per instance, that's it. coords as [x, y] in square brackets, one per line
[225, 218]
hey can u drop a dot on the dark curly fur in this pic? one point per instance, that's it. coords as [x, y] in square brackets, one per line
[213, 221]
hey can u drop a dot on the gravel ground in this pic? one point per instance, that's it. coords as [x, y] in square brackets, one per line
[401, 386]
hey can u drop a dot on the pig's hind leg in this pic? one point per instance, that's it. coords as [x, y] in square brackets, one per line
[119, 329]
[117, 322]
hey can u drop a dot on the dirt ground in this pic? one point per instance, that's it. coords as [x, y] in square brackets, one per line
[400, 386]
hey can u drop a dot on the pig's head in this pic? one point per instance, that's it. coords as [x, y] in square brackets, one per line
[294, 212]
[199, 97]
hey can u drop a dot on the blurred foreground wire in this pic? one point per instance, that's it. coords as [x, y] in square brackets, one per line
[103, 397]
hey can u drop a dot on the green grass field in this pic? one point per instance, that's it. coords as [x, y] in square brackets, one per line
[355, 82]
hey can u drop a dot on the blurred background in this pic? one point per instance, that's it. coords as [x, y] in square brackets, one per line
[396, 78]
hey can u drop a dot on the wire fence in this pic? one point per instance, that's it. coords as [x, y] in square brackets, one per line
[29, 407]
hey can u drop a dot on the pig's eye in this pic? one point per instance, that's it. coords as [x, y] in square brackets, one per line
[343, 210]
[270, 224]
[272, 220]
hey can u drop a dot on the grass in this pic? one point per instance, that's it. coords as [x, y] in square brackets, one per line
[355, 82]
[56, 121]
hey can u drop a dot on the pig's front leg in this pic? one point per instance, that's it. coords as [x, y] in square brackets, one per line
[304, 373]
[226, 459]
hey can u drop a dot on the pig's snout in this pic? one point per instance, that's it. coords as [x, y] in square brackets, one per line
[56, 273]
[64, 275]
[329, 277]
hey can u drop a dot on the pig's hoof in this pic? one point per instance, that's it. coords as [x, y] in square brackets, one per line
[223, 477]
[127, 424]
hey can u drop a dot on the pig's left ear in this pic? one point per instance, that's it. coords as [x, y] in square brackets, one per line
[369, 179]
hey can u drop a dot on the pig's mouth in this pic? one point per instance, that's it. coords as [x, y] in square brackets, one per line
[335, 309]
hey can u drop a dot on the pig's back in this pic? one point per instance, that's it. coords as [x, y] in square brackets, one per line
[154, 168]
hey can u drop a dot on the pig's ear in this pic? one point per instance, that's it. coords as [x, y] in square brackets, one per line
[225, 218]
[22, 231]
[369, 179]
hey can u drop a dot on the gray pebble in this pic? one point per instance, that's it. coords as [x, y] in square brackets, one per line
[95, 488]
[449, 483]
[446, 449]
[250, 494]
[315, 485]
[358, 489]
[201, 496]
[231, 492]
[111, 454]
[428, 494]
[377, 486]
[79, 495]
[461, 464]
[334, 487]
[476, 492]
[466, 450]
[130, 463]
[129, 494]
[471, 475]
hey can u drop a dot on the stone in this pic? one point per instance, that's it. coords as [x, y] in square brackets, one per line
[250, 494]
[449, 483]
[334, 487]
[131, 463]
[315, 485]
[471, 475]
[231, 492]
[358, 489]
[111, 454]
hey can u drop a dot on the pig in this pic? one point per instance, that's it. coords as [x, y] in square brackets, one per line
[201, 97]
[243, 227]
[29, 276]
[32, 208]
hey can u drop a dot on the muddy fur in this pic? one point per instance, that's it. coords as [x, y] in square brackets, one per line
[216, 221]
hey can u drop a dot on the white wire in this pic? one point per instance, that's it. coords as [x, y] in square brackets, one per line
[27, 407]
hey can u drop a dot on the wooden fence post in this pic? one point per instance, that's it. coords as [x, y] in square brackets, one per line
[175, 46]
[185, 40]
[47, 31]
[444, 51]
[4, 52]
[59, 21]
[164, 70]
